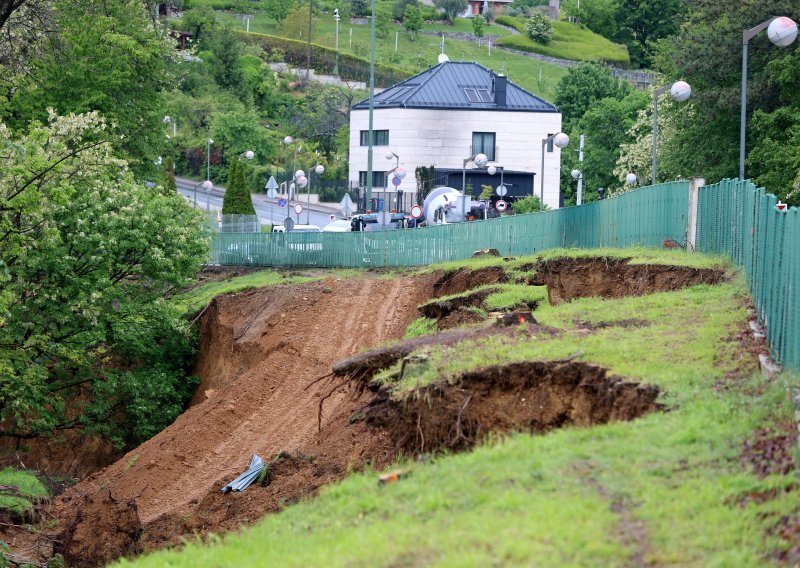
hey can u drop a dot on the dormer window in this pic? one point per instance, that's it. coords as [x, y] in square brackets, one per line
[478, 95]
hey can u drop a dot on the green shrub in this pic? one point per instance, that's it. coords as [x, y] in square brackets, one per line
[511, 22]
[539, 28]
[421, 326]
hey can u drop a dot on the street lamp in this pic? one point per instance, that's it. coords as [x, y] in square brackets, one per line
[399, 173]
[479, 160]
[680, 91]
[207, 185]
[168, 120]
[336, 17]
[578, 175]
[298, 181]
[560, 140]
[782, 31]
[208, 158]
[630, 179]
[319, 169]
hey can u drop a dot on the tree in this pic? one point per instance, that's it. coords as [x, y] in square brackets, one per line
[359, 7]
[707, 54]
[89, 253]
[237, 199]
[539, 28]
[641, 23]
[582, 86]
[224, 55]
[412, 20]
[478, 24]
[169, 176]
[530, 204]
[110, 59]
[451, 8]
[383, 17]
[278, 9]
[600, 16]
[425, 177]
[399, 8]
[606, 127]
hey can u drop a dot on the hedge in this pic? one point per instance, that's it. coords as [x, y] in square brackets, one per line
[323, 59]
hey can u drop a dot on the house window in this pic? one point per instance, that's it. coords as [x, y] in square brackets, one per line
[381, 137]
[378, 179]
[483, 143]
[478, 95]
[550, 143]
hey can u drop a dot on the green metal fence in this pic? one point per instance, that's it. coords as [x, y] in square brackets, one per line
[736, 219]
[733, 218]
[643, 217]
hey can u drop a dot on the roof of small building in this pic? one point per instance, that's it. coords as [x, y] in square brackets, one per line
[456, 85]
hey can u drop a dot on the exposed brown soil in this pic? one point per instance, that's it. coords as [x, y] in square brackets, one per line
[570, 278]
[439, 309]
[460, 317]
[265, 359]
[259, 350]
[68, 454]
[458, 281]
[533, 396]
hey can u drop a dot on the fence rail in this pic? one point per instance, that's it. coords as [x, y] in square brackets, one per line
[733, 218]
[740, 221]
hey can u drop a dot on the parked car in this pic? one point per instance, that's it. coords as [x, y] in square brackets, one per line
[297, 229]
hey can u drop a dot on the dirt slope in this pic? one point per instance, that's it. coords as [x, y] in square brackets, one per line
[259, 351]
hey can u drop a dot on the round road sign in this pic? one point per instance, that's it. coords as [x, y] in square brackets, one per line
[298, 208]
[416, 211]
[502, 190]
[500, 205]
[396, 181]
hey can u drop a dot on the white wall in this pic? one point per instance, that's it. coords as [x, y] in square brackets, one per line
[443, 138]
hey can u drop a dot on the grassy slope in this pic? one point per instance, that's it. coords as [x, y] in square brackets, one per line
[30, 489]
[664, 489]
[570, 41]
[521, 70]
[199, 297]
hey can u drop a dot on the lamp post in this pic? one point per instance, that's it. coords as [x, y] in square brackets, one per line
[501, 189]
[680, 91]
[288, 141]
[398, 172]
[299, 180]
[319, 169]
[579, 199]
[336, 17]
[560, 140]
[782, 31]
[578, 175]
[208, 158]
[479, 160]
[168, 120]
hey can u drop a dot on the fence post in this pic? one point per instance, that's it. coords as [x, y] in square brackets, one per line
[691, 229]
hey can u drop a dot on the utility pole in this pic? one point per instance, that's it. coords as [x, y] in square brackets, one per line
[371, 106]
[580, 179]
[308, 62]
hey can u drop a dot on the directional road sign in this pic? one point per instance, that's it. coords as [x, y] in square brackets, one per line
[272, 188]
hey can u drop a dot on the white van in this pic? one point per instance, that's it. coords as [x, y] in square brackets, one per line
[297, 229]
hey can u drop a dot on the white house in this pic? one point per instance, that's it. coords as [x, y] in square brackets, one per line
[444, 116]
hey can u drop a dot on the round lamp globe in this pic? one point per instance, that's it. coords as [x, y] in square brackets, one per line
[680, 91]
[561, 140]
[782, 31]
[480, 160]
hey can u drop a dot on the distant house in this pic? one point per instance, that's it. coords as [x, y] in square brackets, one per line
[476, 7]
[447, 114]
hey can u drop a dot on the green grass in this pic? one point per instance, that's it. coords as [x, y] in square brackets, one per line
[30, 491]
[420, 326]
[415, 56]
[199, 297]
[570, 41]
[578, 496]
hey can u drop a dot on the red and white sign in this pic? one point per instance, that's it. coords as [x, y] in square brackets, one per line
[298, 208]
[416, 211]
[501, 205]
[781, 206]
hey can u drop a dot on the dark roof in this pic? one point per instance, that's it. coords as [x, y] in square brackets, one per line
[453, 85]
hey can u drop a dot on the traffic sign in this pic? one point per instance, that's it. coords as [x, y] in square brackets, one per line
[416, 211]
[781, 206]
[500, 205]
[272, 183]
[384, 218]
[346, 205]
[396, 181]
[288, 224]
[298, 208]
[502, 190]
[282, 203]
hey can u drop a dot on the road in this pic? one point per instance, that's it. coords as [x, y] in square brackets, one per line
[266, 209]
